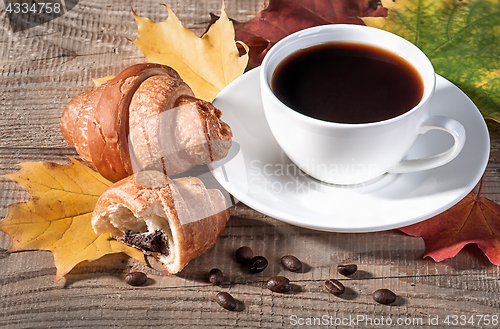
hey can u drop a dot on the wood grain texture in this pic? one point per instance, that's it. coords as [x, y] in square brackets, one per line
[41, 69]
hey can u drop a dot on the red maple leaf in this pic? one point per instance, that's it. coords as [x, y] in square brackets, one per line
[472, 220]
[284, 17]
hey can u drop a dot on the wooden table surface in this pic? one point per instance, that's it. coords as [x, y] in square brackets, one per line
[44, 67]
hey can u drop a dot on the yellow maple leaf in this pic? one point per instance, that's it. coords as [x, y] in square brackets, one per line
[206, 64]
[100, 81]
[58, 216]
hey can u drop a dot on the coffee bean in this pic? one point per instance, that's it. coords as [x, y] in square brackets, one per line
[226, 300]
[384, 296]
[215, 276]
[136, 278]
[347, 269]
[278, 284]
[291, 263]
[257, 264]
[334, 287]
[244, 254]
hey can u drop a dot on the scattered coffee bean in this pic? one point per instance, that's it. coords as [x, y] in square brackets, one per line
[215, 276]
[226, 300]
[278, 284]
[334, 287]
[347, 269]
[384, 296]
[244, 255]
[257, 264]
[291, 263]
[136, 278]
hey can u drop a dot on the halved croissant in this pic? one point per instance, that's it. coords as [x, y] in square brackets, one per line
[174, 220]
[146, 118]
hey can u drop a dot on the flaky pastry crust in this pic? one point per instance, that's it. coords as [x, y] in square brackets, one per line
[189, 216]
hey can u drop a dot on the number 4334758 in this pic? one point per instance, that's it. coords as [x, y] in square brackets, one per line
[476, 319]
[35, 8]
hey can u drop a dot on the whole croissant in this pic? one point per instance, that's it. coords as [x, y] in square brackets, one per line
[146, 118]
[173, 220]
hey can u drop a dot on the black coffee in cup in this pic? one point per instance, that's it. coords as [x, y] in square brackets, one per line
[347, 83]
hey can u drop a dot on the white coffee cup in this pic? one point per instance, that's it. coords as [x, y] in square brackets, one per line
[341, 153]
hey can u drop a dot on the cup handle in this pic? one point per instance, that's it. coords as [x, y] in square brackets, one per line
[451, 126]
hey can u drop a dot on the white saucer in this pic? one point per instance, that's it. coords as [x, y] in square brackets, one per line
[258, 173]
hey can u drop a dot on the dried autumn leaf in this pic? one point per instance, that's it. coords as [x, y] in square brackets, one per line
[284, 17]
[58, 216]
[472, 220]
[206, 64]
[461, 38]
[100, 81]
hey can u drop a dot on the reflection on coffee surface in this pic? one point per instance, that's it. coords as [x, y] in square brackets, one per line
[347, 83]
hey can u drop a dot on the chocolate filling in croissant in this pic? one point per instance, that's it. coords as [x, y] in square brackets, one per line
[153, 242]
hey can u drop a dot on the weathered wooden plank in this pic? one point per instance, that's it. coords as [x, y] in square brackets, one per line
[96, 291]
